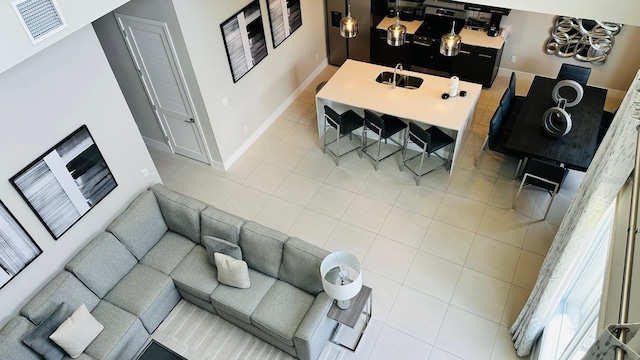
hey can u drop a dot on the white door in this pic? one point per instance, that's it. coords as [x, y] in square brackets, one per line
[151, 48]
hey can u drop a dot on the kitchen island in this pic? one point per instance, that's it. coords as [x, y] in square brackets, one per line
[354, 87]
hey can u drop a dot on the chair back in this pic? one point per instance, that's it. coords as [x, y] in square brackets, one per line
[512, 84]
[545, 170]
[494, 127]
[336, 119]
[372, 119]
[505, 102]
[574, 72]
[419, 136]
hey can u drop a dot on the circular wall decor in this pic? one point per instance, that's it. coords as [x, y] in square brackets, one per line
[585, 40]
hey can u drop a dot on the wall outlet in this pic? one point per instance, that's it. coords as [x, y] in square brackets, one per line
[225, 101]
[246, 129]
[513, 59]
[145, 172]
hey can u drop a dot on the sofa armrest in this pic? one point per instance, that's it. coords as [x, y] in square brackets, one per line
[315, 329]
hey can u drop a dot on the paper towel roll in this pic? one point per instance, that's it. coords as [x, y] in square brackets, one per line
[453, 88]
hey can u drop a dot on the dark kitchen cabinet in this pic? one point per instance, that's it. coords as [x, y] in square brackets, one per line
[387, 55]
[477, 64]
[487, 9]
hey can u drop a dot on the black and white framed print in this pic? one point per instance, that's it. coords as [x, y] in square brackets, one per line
[66, 182]
[17, 249]
[285, 18]
[244, 39]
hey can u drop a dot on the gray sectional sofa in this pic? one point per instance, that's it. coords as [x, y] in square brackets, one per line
[132, 275]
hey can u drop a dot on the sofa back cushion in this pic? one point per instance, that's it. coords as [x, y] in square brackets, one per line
[301, 265]
[63, 288]
[11, 340]
[102, 263]
[217, 223]
[141, 225]
[180, 212]
[262, 247]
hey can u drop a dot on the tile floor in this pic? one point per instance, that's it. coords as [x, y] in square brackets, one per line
[450, 262]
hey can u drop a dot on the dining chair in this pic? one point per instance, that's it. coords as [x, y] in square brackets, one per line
[574, 72]
[344, 124]
[516, 100]
[542, 174]
[384, 127]
[429, 141]
[497, 137]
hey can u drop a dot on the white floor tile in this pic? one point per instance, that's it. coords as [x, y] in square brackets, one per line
[515, 302]
[461, 212]
[330, 200]
[382, 186]
[285, 156]
[278, 214]
[472, 185]
[366, 213]
[438, 354]
[420, 199]
[393, 344]
[503, 348]
[504, 225]
[528, 269]
[216, 190]
[313, 227]
[417, 314]
[448, 242]
[389, 258]
[466, 335]
[405, 226]
[298, 189]
[246, 202]
[540, 235]
[385, 292]
[346, 237]
[481, 295]
[366, 345]
[433, 276]
[493, 258]
[266, 178]
[315, 165]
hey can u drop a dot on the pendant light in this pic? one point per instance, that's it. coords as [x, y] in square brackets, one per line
[396, 34]
[349, 25]
[450, 44]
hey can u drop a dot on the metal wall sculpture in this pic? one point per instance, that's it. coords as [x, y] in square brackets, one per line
[585, 40]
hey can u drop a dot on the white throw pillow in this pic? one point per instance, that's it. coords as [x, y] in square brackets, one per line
[77, 332]
[231, 271]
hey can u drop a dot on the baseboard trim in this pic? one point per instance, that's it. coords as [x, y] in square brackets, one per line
[272, 118]
[158, 145]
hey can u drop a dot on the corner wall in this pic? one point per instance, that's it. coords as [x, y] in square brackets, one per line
[44, 99]
[255, 97]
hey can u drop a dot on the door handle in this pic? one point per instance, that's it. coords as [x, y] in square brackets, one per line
[190, 121]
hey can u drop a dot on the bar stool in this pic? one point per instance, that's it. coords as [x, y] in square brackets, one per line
[344, 124]
[385, 127]
[430, 141]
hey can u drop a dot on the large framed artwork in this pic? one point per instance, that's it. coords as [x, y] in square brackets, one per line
[285, 18]
[65, 182]
[17, 249]
[244, 40]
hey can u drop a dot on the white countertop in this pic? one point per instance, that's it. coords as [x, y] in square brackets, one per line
[480, 38]
[354, 84]
[412, 26]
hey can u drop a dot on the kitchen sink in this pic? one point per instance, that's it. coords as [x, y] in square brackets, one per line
[403, 81]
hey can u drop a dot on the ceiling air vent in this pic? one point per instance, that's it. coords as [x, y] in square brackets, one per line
[40, 18]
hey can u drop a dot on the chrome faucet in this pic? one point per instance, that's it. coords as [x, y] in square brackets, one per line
[395, 71]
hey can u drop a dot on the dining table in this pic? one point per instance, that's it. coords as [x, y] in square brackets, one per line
[576, 149]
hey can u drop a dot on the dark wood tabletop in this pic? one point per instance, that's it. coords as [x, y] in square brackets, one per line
[577, 148]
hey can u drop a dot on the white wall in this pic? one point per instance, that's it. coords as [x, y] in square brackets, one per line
[44, 99]
[16, 45]
[261, 91]
[527, 38]
[620, 11]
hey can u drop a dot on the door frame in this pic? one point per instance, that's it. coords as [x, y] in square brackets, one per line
[180, 76]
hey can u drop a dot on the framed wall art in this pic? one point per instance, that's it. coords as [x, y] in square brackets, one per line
[285, 17]
[17, 249]
[65, 182]
[244, 40]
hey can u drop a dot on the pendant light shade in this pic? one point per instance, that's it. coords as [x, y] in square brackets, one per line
[396, 34]
[349, 25]
[450, 44]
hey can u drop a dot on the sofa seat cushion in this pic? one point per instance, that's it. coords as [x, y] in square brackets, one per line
[39, 340]
[11, 346]
[102, 263]
[242, 302]
[63, 288]
[281, 311]
[123, 333]
[180, 212]
[301, 265]
[221, 224]
[140, 226]
[194, 274]
[146, 293]
[168, 252]
[262, 247]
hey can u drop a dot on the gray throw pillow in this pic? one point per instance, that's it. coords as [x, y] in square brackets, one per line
[38, 339]
[215, 245]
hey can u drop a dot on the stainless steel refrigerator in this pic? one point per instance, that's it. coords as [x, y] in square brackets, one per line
[357, 48]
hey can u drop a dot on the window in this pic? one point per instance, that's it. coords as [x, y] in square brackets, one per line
[574, 325]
